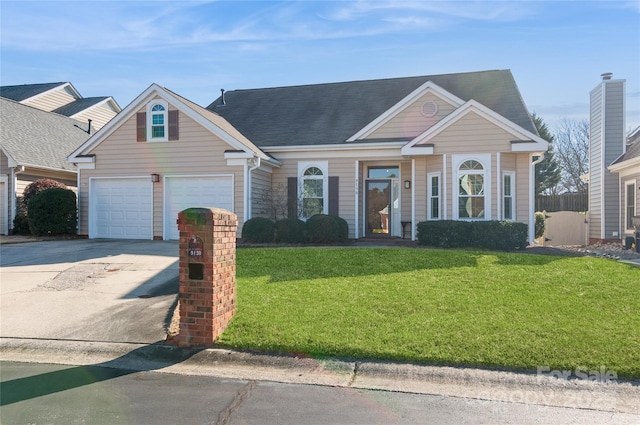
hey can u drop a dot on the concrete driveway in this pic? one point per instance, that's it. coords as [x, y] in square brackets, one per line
[88, 290]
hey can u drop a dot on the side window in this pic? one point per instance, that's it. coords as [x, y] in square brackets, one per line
[508, 196]
[433, 196]
[630, 204]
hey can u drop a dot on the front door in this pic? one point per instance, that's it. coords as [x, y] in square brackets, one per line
[381, 202]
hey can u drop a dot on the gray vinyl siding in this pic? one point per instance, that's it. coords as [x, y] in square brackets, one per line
[614, 147]
[606, 144]
[595, 164]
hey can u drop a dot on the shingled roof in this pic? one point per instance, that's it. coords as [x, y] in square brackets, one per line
[79, 105]
[25, 91]
[37, 138]
[331, 113]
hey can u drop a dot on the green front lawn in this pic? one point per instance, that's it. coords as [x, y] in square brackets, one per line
[454, 307]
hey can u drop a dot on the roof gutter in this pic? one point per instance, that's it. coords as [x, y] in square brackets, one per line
[14, 180]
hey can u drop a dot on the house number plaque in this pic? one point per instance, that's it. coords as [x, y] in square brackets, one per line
[195, 247]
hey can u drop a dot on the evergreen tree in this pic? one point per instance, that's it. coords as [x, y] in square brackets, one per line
[547, 171]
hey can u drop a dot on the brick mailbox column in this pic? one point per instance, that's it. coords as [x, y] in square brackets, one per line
[207, 287]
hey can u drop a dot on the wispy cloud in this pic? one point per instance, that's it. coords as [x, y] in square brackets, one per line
[127, 26]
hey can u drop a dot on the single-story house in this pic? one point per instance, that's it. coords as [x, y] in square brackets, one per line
[383, 154]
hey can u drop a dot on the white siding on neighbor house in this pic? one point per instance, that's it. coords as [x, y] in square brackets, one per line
[51, 100]
[411, 122]
[197, 151]
[99, 116]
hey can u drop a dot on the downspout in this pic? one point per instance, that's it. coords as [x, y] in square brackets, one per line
[14, 197]
[247, 190]
[78, 198]
[532, 196]
[498, 186]
[413, 200]
[356, 230]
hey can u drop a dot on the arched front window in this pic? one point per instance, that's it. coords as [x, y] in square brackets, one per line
[312, 192]
[471, 190]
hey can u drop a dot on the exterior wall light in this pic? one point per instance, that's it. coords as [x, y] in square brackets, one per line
[407, 184]
[155, 178]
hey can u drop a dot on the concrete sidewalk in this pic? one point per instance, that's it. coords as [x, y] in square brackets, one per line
[108, 302]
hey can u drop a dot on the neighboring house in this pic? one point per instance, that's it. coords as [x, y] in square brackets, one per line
[34, 144]
[41, 125]
[382, 154]
[614, 164]
[64, 99]
[627, 167]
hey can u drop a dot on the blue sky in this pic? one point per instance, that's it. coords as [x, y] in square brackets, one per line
[555, 49]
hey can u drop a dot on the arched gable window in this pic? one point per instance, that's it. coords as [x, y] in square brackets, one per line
[471, 190]
[157, 120]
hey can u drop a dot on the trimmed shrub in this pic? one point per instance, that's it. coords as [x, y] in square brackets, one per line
[21, 224]
[290, 230]
[38, 186]
[20, 221]
[53, 212]
[258, 230]
[343, 228]
[322, 228]
[493, 235]
[540, 224]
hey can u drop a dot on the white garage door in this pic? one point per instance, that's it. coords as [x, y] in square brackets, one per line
[121, 208]
[192, 192]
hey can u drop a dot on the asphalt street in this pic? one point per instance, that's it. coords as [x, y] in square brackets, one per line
[54, 394]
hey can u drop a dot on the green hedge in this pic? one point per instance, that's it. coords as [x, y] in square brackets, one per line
[493, 235]
[258, 230]
[322, 228]
[53, 212]
[290, 230]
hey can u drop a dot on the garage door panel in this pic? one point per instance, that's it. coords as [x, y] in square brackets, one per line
[192, 192]
[123, 208]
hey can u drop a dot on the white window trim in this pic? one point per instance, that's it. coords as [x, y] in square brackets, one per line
[485, 160]
[430, 195]
[512, 175]
[324, 167]
[150, 106]
[628, 183]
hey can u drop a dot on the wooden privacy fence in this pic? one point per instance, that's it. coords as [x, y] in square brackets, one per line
[566, 202]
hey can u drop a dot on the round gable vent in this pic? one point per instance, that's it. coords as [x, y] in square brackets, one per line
[429, 108]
